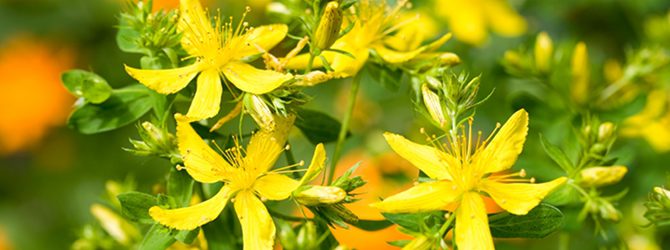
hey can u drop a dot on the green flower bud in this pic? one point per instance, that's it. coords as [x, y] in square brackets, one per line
[319, 195]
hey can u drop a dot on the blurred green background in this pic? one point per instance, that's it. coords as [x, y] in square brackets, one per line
[50, 175]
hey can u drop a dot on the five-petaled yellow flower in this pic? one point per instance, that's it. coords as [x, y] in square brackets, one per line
[469, 20]
[217, 50]
[247, 179]
[466, 174]
[376, 28]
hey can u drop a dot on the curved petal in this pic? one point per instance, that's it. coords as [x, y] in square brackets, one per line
[275, 186]
[426, 196]
[266, 145]
[189, 218]
[258, 229]
[265, 37]
[200, 161]
[472, 224]
[345, 65]
[430, 160]
[501, 153]
[316, 165]
[301, 61]
[394, 56]
[519, 198]
[253, 80]
[196, 28]
[207, 99]
[503, 19]
[165, 81]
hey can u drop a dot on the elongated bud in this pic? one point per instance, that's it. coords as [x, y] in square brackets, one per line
[605, 131]
[433, 105]
[580, 74]
[419, 243]
[259, 111]
[329, 26]
[544, 49]
[449, 58]
[602, 176]
[117, 227]
[319, 195]
[313, 78]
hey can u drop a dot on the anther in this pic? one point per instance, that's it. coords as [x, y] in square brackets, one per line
[522, 173]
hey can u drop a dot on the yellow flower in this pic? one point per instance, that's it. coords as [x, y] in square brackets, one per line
[377, 28]
[470, 20]
[218, 51]
[464, 173]
[652, 123]
[247, 179]
[579, 89]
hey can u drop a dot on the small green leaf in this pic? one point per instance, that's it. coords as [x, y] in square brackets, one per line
[416, 222]
[158, 237]
[373, 225]
[86, 84]
[180, 187]
[187, 236]
[557, 155]
[399, 243]
[318, 127]
[135, 206]
[538, 223]
[123, 107]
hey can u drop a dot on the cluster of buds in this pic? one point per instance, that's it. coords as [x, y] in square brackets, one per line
[447, 100]
[148, 32]
[658, 207]
[596, 139]
[155, 141]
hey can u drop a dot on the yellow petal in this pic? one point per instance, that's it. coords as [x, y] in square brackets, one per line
[265, 37]
[301, 61]
[519, 198]
[426, 196]
[189, 218]
[430, 160]
[503, 19]
[501, 153]
[258, 229]
[266, 145]
[468, 23]
[275, 186]
[207, 99]
[253, 80]
[345, 65]
[395, 57]
[200, 161]
[316, 165]
[165, 81]
[197, 34]
[472, 224]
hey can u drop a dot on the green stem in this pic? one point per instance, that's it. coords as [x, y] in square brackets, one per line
[345, 126]
[310, 63]
[445, 226]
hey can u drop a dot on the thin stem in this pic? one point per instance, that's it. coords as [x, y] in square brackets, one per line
[311, 62]
[345, 126]
[290, 159]
[445, 226]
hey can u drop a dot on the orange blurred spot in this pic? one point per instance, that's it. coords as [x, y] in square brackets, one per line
[4, 240]
[32, 98]
[172, 4]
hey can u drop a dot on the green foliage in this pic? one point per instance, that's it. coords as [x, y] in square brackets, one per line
[538, 223]
[87, 85]
[135, 206]
[317, 126]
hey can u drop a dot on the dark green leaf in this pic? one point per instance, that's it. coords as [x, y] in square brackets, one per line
[158, 237]
[317, 126]
[557, 155]
[180, 187]
[135, 206]
[86, 84]
[415, 222]
[372, 225]
[123, 107]
[538, 223]
[127, 37]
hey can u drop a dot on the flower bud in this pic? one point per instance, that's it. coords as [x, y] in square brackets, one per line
[259, 111]
[307, 236]
[318, 195]
[580, 74]
[117, 227]
[662, 191]
[433, 105]
[448, 58]
[419, 243]
[328, 29]
[605, 131]
[544, 50]
[602, 176]
[313, 78]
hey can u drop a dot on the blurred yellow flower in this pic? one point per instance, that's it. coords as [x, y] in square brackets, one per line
[247, 176]
[396, 40]
[218, 50]
[652, 123]
[32, 98]
[463, 174]
[469, 20]
[581, 73]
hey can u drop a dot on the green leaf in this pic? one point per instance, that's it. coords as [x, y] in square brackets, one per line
[135, 206]
[180, 187]
[158, 237]
[127, 37]
[538, 223]
[557, 155]
[86, 84]
[373, 225]
[187, 236]
[318, 127]
[123, 107]
[389, 78]
[416, 222]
